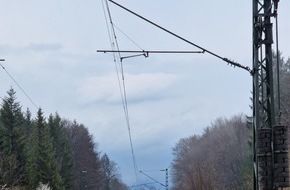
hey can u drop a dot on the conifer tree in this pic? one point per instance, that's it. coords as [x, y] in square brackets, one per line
[11, 122]
[62, 148]
[48, 168]
[31, 149]
[12, 140]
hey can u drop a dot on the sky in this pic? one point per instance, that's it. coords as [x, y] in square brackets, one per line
[50, 48]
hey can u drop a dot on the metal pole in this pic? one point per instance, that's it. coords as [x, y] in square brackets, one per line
[166, 179]
[263, 95]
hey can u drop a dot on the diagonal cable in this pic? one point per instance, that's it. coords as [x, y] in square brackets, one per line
[30, 99]
[122, 86]
[231, 62]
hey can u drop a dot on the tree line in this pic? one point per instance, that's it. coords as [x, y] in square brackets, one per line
[53, 152]
[222, 157]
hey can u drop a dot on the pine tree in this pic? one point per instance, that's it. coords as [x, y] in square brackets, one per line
[11, 122]
[12, 140]
[62, 148]
[49, 169]
[31, 149]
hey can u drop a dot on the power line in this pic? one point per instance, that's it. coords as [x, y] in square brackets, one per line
[153, 179]
[30, 99]
[128, 37]
[143, 184]
[122, 86]
[231, 62]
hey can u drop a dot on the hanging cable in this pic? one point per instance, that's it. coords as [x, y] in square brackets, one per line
[231, 62]
[128, 37]
[28, 97]
[122, 86]
[152, 179]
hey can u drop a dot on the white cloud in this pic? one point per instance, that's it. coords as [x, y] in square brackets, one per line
[139, 87]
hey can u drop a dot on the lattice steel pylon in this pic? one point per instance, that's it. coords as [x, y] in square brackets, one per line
[263, 91]
[264, 111]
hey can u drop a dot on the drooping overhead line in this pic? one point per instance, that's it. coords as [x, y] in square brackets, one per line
[122, 86]
[30, 99]
[230, 62]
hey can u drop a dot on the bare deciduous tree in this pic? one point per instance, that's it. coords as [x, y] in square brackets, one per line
[212, 160]
[87, 164]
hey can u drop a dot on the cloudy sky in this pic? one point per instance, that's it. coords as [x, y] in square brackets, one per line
[50, 50]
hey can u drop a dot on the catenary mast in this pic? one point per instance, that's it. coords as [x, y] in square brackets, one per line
[270, 137]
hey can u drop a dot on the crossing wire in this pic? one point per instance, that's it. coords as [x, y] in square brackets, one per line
[127, 36]
[28, 97]
[230, 62]
[119, 69]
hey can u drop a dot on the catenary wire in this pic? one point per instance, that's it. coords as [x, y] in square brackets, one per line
[111, 37]
[30, 99]
[113, 47]
[152, 179]
[128, 37]
[233, 63]
[122, 87]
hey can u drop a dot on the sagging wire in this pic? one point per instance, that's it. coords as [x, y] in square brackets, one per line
[230, 62]
[23, 91]
[119, 69]
[153, 179]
